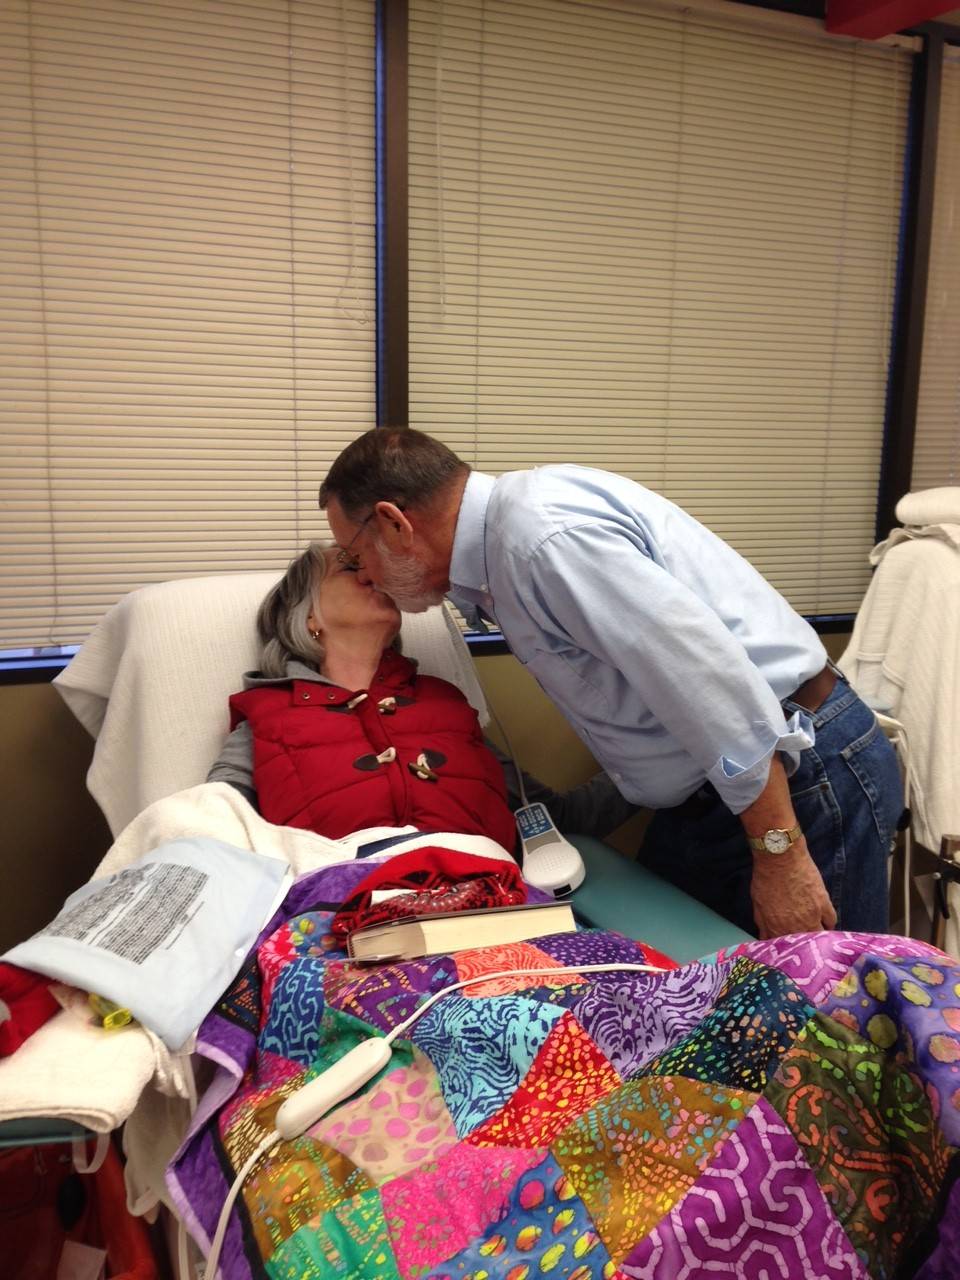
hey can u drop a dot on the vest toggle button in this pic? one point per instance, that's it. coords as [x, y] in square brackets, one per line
[387, 706]
[370, 762]
[421, 769]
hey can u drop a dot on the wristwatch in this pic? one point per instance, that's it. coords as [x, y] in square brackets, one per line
[776, 840]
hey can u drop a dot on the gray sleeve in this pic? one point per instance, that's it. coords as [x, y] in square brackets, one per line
[234, 764]
[595, 808]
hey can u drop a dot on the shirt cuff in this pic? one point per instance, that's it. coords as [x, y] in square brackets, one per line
[739, 785]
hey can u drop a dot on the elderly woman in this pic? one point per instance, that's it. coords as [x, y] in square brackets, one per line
[336, 731]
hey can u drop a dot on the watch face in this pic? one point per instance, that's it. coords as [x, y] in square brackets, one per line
[776, 841]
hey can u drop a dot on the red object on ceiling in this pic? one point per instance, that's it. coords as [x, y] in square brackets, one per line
[871, 19]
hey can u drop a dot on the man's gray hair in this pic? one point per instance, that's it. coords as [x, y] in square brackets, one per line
[282, 617]
[392, 464]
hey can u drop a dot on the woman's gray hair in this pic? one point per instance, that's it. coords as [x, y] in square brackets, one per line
[282, 618]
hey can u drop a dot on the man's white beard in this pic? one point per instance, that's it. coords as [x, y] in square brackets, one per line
[405, 581]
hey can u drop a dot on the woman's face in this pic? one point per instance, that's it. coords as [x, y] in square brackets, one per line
[347, 604]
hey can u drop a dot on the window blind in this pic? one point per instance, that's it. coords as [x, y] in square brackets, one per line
[188, 329]
[663, 241]
[936, 454]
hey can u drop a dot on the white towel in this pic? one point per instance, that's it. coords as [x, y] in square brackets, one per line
[948, 533]
[72, 1070]
[930, 506]
[904, 659]
[151, 1136]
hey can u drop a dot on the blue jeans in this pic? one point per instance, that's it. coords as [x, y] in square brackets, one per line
[848, 800]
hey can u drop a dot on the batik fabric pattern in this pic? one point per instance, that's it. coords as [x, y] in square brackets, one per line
[788, 1108]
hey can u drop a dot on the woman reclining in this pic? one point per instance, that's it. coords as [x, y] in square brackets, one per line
[337, 732]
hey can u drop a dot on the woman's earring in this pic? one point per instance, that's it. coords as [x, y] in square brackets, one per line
[315, 635]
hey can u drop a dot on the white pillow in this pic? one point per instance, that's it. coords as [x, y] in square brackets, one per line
[152, 680]
[930, 506]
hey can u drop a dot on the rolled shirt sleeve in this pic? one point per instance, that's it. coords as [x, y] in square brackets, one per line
[654, 670]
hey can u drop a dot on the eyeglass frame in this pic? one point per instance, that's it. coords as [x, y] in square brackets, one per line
[351, 559]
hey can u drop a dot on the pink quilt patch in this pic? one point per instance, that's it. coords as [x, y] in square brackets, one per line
[435, 1212]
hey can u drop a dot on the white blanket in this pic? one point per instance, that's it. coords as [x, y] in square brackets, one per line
[904, 659]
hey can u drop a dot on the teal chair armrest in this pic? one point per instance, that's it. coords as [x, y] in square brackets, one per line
[621, 895]
[33, 1133]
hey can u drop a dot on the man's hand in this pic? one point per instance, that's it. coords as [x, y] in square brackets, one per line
[788, 893]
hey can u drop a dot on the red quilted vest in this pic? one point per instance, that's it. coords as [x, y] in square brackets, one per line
[315, 766]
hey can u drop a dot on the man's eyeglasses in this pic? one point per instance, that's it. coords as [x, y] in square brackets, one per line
[350, 559]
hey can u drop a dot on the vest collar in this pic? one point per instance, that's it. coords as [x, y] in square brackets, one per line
[394, 673]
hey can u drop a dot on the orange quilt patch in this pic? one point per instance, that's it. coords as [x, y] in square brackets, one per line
[566, 1078]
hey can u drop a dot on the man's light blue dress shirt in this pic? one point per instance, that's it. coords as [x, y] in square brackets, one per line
[667, 652]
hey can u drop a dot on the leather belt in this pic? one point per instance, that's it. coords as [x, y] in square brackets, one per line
[813, 693]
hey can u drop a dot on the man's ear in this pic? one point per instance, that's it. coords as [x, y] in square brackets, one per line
[393, 526]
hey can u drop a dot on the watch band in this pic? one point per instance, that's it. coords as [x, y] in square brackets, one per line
[758, 843]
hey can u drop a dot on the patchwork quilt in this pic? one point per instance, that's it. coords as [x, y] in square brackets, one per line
[785, 1109]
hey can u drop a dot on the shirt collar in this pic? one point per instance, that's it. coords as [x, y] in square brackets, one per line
[468, 561]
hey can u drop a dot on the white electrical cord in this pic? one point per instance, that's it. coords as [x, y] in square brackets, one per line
[897, 737]
[272, 1138]
[216, 1244]
[907, 836]
[510, 752]
[550, 862]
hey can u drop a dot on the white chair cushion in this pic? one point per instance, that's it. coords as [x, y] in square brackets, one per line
[151, 682]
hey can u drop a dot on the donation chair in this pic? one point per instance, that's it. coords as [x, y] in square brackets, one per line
[151, 685]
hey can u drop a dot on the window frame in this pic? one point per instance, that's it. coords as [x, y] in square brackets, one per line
[392, 339]
[910, 279]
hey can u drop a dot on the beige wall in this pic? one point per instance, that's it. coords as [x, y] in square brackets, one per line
[544, 743]
[53, 834]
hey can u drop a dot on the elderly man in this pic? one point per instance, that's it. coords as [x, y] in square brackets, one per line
[692, 681]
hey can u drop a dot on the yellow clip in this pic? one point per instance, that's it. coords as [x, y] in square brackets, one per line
[111, 1016]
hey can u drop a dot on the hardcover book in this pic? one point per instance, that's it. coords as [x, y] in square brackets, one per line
[445, 932]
